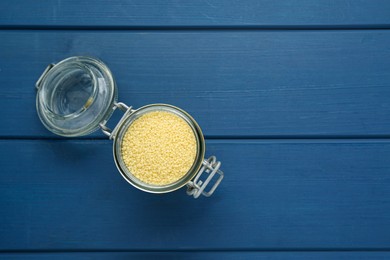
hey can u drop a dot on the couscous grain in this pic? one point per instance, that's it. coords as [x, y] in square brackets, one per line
[159, 148]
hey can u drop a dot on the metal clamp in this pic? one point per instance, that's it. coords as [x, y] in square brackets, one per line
[196, 187]
[112, 133]
[39, 81]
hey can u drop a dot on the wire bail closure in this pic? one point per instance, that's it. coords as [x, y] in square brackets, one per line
[196, 187]
[112, 133]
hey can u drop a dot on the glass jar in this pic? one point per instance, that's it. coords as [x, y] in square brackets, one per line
[78, 95]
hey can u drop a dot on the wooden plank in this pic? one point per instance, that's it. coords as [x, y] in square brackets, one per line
[235, 83]
[200, 255]
[247, 13]
[290, 194]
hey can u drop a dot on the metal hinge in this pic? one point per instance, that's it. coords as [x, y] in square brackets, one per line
[112, 133]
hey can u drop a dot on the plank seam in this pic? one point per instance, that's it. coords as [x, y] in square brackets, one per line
[195, 28]
[378, 138]
[285, 250]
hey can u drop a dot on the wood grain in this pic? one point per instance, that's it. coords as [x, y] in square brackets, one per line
[276, 195]
[198, 255]
[231, 13]
[294, 99]
[234, 83]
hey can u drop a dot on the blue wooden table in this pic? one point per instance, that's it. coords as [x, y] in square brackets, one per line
[292, 96]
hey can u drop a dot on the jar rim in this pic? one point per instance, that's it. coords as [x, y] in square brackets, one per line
[130, 178]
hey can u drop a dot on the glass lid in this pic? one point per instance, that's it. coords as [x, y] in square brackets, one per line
[75, 95]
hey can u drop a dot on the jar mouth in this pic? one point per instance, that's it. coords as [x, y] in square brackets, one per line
[152, 188]
[68, 91]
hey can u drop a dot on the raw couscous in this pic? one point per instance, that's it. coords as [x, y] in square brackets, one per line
[159, 148]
